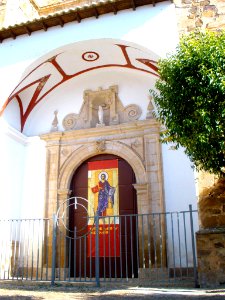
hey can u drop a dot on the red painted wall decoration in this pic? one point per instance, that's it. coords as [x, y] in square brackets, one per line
[43, 88]
[104, 198]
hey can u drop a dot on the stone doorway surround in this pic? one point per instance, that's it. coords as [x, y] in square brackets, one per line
[136, 142]
[121, 134]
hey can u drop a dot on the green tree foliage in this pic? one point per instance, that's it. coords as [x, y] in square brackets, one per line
[191, 99]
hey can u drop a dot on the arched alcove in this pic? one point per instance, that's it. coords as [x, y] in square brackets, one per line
[111, 147]
[57, 81]
[89, 150]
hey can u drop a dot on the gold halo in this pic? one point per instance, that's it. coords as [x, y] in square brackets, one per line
[105, 173]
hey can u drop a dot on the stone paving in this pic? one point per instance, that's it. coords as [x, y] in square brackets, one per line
[42, 292]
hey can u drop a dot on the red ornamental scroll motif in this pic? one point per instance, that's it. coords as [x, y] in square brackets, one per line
[103, 196]
[43, 88]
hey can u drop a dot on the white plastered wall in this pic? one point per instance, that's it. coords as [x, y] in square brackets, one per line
[12, 159]
[22, 174]
[150, 27]
[34, 179]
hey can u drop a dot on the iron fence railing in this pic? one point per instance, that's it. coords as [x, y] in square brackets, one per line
[157, 248]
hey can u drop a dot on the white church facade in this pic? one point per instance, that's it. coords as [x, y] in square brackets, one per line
[56, 71]
[78, 94]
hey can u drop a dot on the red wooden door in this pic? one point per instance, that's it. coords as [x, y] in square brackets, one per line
[126, 264]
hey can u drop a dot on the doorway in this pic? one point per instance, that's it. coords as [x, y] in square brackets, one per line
[118, 263]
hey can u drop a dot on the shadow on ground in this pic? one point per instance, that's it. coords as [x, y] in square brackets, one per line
[87, 292]
[18, 297]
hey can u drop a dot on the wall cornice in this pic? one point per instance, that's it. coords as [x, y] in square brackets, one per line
[16, 135]
[128, 130]
[13, 133]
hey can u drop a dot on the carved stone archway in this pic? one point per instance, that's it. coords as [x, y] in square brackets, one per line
[136, 142]
[110, 147]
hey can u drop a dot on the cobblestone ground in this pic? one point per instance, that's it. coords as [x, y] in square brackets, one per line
[40, 292]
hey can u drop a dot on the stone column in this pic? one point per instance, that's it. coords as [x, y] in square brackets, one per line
[146, 223]
[52, 171]
[143, 208]
[142, 197]
[62, 232]
[153, 163]
[63, 196]
[155, 204]
[51, 192]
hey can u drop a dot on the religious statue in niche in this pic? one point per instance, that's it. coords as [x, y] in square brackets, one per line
[100, 117]
[101, 108]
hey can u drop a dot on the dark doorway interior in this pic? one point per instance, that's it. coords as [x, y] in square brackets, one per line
[126, 265]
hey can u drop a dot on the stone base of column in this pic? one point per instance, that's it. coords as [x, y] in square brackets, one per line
[211, 257]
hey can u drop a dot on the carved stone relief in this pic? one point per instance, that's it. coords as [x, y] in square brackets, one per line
[132, 112]
[66, 151]
[69, 122]
[101, 108]
[55, 122]
[151, 111]
[100, 145]
[137, 144]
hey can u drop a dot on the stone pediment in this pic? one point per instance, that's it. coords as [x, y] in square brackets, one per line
[101, 108]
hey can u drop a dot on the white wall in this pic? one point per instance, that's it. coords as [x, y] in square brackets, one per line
[12, 159]
[22, 174]
[133, 88]
[179, 180]
[32, 205]
[151, 27]
[22, 159]
[179, 191]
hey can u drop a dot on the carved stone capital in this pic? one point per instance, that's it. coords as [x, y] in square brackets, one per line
[63, 194]
[141, 188]
[52, 138]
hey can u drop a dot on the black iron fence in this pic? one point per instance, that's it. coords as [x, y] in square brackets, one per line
[152, 249]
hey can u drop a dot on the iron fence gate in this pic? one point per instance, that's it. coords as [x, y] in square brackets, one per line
[152, 249]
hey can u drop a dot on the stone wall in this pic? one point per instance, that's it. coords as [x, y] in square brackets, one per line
[211, 237]
[199, 14]
[15, 12]
[191, 14]
[46, 7]
[212, 205]
[211, 257]
[12, 12]
[2, 11]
